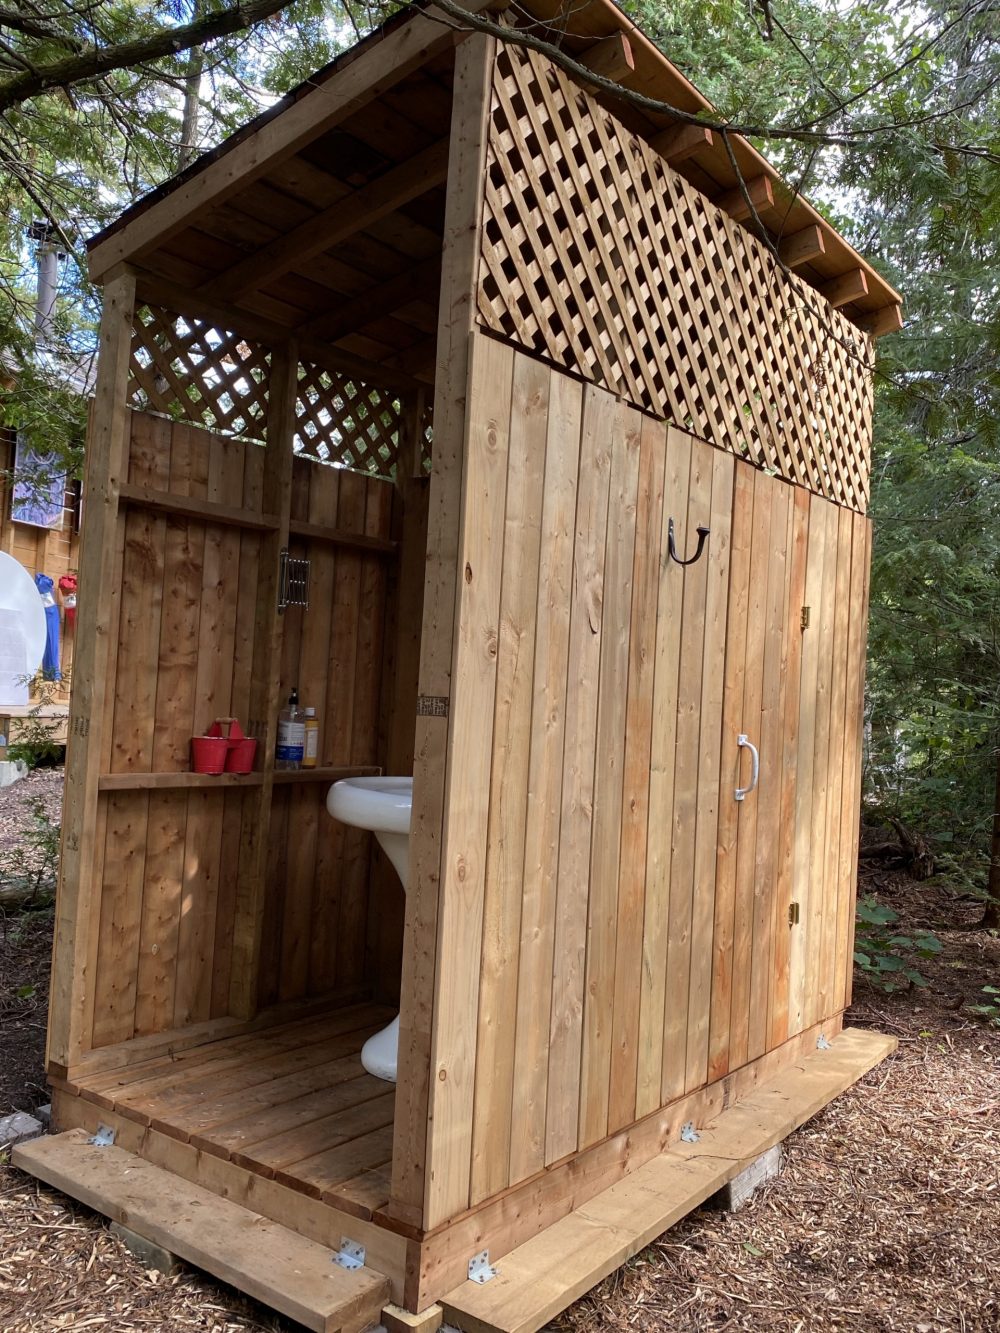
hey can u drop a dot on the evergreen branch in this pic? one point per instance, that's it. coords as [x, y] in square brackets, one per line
[93, 61]
[30, 27]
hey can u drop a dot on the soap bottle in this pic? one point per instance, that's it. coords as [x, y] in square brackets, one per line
[291, 735]
[310, 753]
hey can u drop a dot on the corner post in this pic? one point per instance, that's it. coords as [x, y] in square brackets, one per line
[106, 463]
[474, 62]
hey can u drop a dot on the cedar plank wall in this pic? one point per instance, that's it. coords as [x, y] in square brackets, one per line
[635, 939]
[169, 859]
[628, 919]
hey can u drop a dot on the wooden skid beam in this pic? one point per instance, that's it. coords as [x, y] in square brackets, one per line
[611, 58]
[542, 1277]
[262, 1258]
[682, 141]
[756, 196]
[802, 247]
[334, 224]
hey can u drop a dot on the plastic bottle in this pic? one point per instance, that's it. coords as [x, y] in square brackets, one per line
[291, 734]
[310, 753]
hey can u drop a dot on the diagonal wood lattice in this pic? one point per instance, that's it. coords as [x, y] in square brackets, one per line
[342, 421]
[598, 256]
[191, 371]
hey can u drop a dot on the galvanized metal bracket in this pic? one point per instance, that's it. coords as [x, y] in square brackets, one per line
[293, 580]
[822, 1044]
[351, 1254]
[104, 1138]
[689, 1134]
[480, 1268]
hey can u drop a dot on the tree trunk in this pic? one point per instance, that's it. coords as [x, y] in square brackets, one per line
[991, 917]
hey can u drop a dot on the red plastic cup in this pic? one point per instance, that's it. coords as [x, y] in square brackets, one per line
[208, 753]
[241, 755]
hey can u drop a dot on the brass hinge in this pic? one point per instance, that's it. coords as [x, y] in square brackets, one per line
[805, 617]
[793, 914]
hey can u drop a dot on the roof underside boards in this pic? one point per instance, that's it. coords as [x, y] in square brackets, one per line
[324, 218]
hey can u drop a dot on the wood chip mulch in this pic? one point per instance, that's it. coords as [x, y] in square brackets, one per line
[886, 1217]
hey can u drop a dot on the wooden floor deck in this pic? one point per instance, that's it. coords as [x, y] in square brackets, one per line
[291, 1103]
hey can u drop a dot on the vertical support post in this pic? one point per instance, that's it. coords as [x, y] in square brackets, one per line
[277, 491]
[474, 62]
[106, 461]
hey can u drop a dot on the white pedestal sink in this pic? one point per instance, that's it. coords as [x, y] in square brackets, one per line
[382, 805]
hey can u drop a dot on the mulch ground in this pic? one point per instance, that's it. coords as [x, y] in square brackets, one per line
[886, 1217]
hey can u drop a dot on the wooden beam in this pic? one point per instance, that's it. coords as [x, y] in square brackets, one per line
[802, 246]
[248, 923]
[418, 281]
[847, 288]
[347, 216]
[880, 322]
[281, 133]
[546, 1274]
[760, 193]
[93, 671]
[682, 141]
[611, 58]
[474, 62]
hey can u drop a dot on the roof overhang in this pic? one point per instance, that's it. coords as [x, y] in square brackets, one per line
[597, 35]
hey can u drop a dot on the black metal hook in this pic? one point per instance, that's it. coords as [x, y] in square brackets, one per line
[672, 549]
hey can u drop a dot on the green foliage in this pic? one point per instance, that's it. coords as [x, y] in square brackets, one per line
[29, 872]
[886, 957]
[37, 736]
[991, 1009]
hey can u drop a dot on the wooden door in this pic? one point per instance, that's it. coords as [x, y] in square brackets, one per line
[793, 669]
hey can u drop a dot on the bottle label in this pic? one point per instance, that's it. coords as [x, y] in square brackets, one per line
[291, 741]
[312, 743]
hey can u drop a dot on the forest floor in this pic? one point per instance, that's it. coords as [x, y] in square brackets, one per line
[886, 1216]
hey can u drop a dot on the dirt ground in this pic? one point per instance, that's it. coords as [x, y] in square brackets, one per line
[886, 1217]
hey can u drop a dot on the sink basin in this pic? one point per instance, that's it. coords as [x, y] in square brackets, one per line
[383, 806]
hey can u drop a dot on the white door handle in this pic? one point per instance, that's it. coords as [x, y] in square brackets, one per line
[744, 740]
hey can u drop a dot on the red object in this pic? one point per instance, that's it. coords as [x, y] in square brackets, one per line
[67, 586]
[208, 753]
[241, 749]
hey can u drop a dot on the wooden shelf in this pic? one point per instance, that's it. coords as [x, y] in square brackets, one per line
[190, 507]
[178, 781]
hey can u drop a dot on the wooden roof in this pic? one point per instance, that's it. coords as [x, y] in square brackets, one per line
[322, 218]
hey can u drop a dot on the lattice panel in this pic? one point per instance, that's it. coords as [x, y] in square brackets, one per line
[599, 257]
[191, 371]
[344, 422]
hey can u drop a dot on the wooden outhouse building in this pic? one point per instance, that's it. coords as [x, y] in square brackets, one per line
[567, 403]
